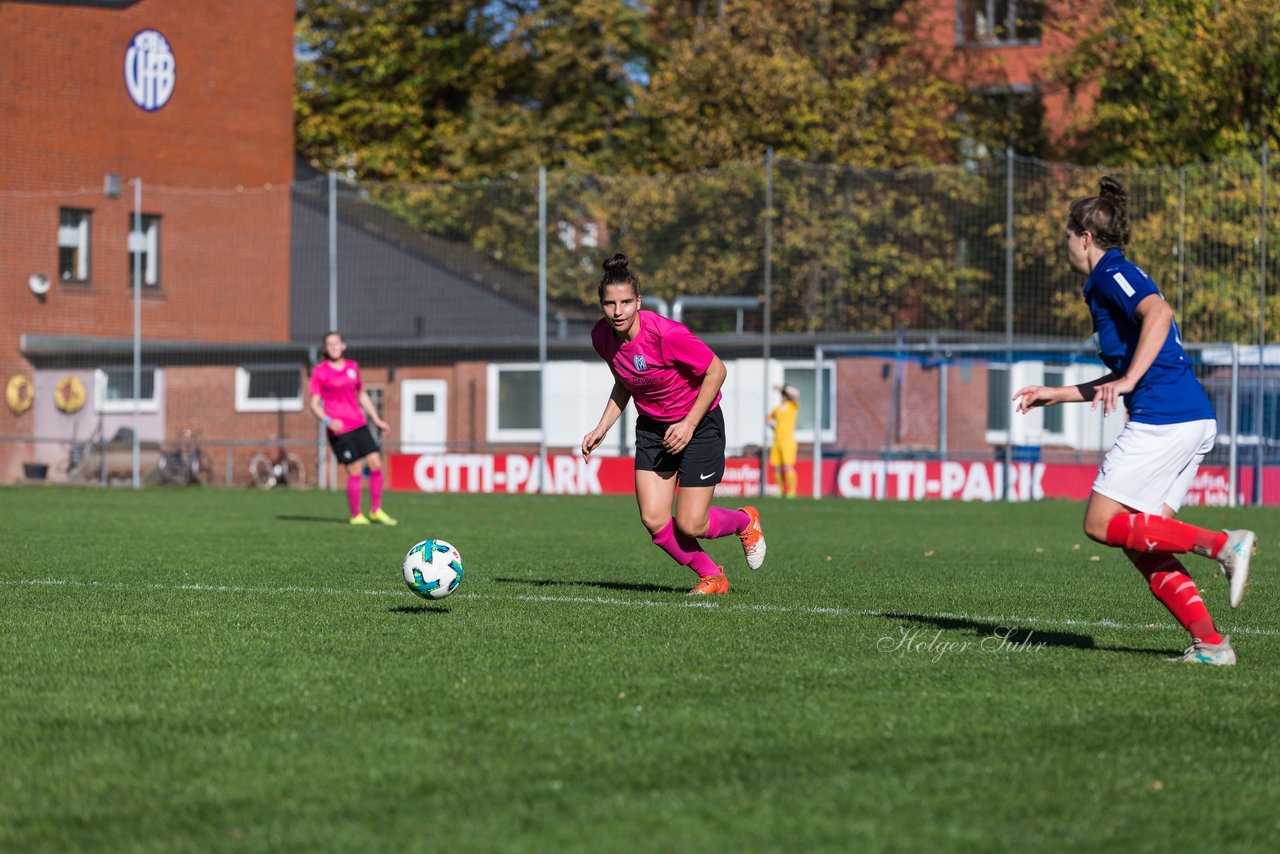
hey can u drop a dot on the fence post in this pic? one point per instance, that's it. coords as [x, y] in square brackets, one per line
[1008, 315]
[137, 333]
[767, 313]
[542, 330]
[1182, 229]
[1233, 424]
[333, 250]
[1260, 402]
[817, 422]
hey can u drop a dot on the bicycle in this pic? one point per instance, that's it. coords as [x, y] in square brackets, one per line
[284, 469]
[184, 463]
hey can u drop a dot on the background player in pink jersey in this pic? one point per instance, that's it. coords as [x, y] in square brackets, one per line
[340, 401]
[675, 380]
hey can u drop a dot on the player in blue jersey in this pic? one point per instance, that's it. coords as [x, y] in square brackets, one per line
[1146, 474]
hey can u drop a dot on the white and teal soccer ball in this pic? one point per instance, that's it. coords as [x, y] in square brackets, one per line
[433, 569]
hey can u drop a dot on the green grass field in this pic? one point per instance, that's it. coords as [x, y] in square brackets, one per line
[198, 670]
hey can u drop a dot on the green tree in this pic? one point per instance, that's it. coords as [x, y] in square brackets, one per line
[416, 90]
[833, 81]
[1176, 81]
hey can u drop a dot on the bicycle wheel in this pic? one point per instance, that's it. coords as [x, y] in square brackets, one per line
[262, 471]
[201, 471]
[168, 469]
[294, 473]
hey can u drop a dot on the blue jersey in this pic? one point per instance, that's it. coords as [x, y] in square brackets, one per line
[1168, 392]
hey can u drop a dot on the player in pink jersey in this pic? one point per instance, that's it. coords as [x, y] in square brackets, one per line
[340, 401]
[675, 381]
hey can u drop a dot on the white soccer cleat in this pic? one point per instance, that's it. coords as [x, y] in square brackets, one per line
[753, 539]
[1200, 652]
[1234, 558]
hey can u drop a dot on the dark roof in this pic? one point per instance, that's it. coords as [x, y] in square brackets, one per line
[397, 282]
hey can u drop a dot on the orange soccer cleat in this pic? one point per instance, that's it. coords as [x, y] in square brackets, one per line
[711, 585]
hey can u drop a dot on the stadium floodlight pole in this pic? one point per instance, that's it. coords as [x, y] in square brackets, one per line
[1006, 493]
[768, 312]
[818, 368]
[137, 332]
[542, 329]
[1259, 405]
[333, 250]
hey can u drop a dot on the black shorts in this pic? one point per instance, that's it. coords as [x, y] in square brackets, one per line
[353, 445]
[701, 463]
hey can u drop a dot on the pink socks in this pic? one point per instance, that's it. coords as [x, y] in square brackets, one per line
[722, 522]
[353, 494]
[685, 551]
[375, 490]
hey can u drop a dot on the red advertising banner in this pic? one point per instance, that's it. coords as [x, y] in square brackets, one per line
[880, 480]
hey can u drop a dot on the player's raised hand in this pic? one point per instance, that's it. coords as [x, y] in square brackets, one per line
[1029, 397]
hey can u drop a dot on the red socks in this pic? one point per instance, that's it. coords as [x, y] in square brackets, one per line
[1151, 532]
[1170, 584]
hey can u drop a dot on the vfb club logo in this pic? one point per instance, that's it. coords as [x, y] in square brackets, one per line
[150, 70]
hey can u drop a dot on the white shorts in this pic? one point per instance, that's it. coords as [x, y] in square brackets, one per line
[1152, 465]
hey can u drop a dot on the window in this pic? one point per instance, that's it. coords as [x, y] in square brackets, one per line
[145, 243]
[269, 388]
[376, 397]
[73, 245]
[515, 403]
[999, 398]
[999, 21]
[519, 400]
[113, 390]
[803, 379]
[1053, 420]
[1003, 117]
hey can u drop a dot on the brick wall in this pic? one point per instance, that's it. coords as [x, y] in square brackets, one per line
[215, 164]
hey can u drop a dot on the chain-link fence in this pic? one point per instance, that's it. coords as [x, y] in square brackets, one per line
[468, 307]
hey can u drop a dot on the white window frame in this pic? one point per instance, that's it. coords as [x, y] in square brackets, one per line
[494, 433]
[148, 242]
[976, 24]
[75, 237]
[831, 395]
[245, 403]
[102, 403]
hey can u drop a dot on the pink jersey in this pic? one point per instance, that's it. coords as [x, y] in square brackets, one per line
[662, 366]
[339, 390]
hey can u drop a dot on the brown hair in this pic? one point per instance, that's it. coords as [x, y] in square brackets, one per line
[1102, 215]
[616, 273]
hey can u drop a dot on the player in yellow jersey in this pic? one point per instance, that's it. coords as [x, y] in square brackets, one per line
[782, 455]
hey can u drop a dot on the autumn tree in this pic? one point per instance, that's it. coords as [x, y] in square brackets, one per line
[418, 90]
[1176, 81]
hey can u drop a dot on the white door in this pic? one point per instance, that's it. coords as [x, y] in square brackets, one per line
[424, 421]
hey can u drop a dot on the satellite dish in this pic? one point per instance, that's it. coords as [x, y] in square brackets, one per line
[39, 284]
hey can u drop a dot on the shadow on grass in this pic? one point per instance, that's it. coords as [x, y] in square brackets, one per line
[607, 585]
[331, 519]
[1014, 636]
[418, 609]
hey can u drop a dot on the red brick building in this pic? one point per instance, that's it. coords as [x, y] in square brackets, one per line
[188, 97]
[1003, 50]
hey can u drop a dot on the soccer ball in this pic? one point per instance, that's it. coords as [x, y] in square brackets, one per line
[433, 569]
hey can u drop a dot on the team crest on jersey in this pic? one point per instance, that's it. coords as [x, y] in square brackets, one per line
[638, 361]
[351, 372]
